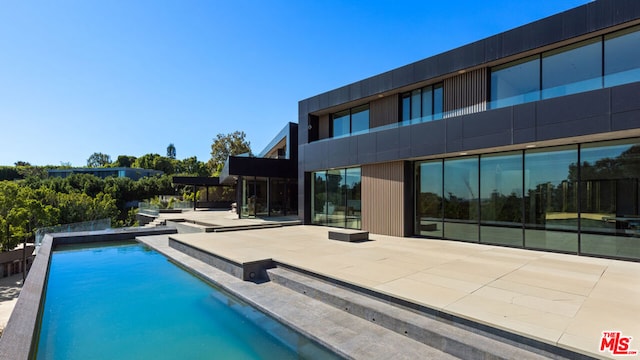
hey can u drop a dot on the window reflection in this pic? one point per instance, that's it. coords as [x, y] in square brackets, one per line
[551, 214]
[501, 199]
[360, 119]
[319, 198]
[341, 126]
[420, 105]
[610, 198]
[461, 198]
[336, 198]
[516, 82]
[429, 202]
[572, 69]
[622, 57]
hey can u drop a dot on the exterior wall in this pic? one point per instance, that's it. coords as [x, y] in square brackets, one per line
[468, 127]
[384, 111]
[383, 200]
[465, 93]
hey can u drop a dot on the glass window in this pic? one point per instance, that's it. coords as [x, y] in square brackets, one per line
[610, 198]
[406, 107]
[423, 104]
[360, 119]
[501, 199]
[461, 198]
[438, 102]
[416, 103]
[336, 198]
[429, 198]
[622, 57]
[572, 69]
[550, 185]
[353, 193]
[516, 82]
[319, 198]
[427, 103]
[341, 123]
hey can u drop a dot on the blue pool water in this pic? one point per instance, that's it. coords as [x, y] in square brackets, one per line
[127, 301]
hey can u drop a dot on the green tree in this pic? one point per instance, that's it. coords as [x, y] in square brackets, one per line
[226, 145]
[124, 161]
[191, 166]
[155, 162]
[171, 151]
[98, 160]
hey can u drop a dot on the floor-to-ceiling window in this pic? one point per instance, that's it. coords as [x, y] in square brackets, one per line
[550, 191]
[461, 198]
[576, 198]
[335, 198]
[429, 198]
[319, 198]
[353, 193]
[501, 198]
[610, 198]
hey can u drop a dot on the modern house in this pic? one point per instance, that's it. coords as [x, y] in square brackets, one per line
[132, 173]
[529, 138]
[266, 184]
[262, 186]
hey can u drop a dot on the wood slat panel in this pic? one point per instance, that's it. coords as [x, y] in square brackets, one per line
[465, 93]
[323, 133]
[383, 198]
[383, 111]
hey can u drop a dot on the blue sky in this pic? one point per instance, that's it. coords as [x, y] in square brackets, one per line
[128, 77]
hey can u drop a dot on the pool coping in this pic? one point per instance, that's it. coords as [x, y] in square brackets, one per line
[19, 337]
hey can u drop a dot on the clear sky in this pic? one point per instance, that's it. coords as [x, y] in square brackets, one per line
[128, 77]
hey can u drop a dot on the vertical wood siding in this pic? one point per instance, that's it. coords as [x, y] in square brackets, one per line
[465, 93]
[383, 111]
[383, 198]
[323, 133]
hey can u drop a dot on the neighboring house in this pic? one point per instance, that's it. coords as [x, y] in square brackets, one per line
[132, 173]
[11, 262]
[529, 138]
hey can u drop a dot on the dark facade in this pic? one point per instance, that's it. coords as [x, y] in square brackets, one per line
[528, 138]
[266, 185]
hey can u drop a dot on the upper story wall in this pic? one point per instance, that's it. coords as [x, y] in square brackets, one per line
[466, 63]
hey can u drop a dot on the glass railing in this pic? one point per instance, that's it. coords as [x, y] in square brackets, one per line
[614, 79]
[101, 224]
[148, 209]
[154, 209]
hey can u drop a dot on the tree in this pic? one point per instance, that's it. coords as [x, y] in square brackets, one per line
[22, 163]
[124, 161]
[227, 145]
[98, 160]
[171, 151]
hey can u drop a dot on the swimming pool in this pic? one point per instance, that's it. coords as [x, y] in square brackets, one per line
[126, 301]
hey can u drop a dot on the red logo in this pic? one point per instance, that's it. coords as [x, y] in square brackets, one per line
[617, 344]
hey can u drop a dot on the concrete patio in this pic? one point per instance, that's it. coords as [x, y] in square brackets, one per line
[563, 300]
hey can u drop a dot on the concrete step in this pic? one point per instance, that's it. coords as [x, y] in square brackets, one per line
[457, 337]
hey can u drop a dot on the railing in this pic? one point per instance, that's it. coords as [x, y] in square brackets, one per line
[152, 209]
[148, 209]
[101, 224]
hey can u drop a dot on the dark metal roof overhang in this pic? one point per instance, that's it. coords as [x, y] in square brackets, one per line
[262, 167]
[197, 180]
